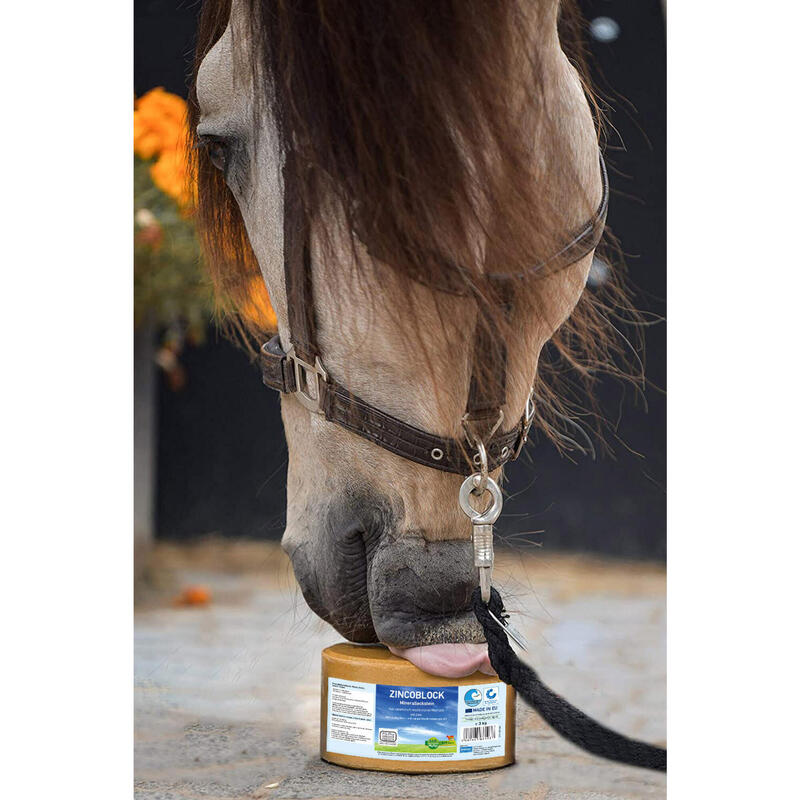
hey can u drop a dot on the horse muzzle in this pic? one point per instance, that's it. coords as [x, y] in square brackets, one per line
[374, 582]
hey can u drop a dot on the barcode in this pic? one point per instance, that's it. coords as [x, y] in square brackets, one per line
[479, 733]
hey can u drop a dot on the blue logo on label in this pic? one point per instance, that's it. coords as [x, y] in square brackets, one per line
[464, 749]
[473, 697]
[491, 694]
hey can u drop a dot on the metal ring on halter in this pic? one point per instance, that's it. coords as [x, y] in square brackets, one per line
[490, 515]
[482, 479]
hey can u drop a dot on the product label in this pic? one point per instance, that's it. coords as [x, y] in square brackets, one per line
[418, 723]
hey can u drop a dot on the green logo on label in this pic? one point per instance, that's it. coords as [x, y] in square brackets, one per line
[432, 743]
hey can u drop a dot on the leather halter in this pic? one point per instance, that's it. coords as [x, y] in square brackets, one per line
[299, 370]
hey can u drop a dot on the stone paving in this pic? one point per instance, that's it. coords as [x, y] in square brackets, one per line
[227, 695]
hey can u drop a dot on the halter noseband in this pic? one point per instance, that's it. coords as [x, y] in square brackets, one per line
[299, 370]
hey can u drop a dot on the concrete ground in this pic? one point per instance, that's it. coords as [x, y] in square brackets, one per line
[227, 695]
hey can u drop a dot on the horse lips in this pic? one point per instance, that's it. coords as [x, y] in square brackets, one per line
[449, 660]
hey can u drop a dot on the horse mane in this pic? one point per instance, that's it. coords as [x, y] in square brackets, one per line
[415, 121]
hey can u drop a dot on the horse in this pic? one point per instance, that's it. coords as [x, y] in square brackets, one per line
[432, 143]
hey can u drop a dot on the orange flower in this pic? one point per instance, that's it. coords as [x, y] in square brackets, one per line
[159, 130]
[163, 104]
[171, 174]
[159, 123]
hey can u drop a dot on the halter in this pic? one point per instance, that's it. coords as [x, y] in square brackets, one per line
[300, 370]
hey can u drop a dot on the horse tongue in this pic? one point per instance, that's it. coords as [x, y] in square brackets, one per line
[449, 660]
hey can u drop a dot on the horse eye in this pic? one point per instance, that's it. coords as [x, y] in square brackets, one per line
[218, 151]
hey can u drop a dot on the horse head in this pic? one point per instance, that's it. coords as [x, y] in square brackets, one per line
[436, 141]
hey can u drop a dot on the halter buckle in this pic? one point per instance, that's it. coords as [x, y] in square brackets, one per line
[471, 434]
[307, 379]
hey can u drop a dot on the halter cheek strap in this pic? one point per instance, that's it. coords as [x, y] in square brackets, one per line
[300, 370]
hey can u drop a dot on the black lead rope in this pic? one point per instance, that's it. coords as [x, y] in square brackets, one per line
[562, 717]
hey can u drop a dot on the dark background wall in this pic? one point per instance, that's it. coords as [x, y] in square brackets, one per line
[221, 453]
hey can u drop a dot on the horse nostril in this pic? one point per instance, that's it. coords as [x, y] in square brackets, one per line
[335, 589]
[331, 562]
